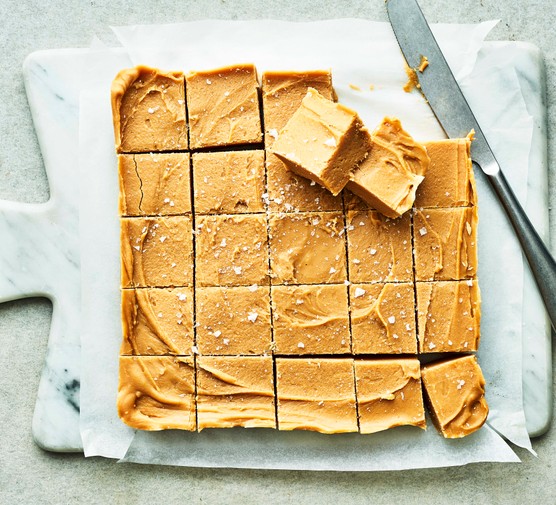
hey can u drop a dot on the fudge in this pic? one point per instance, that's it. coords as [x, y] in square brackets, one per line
[154, 184]
[223, 106]
[383, 318]
[449, 316]
[445, 244]
[148, 108]
[455, 390]
[307, 248]
[379, 248]
[233, 320]
[389, 394]
[316, 395]
[323, 141]
[157, 392]
[231, 250]
[157, 252]
[235, 391]
[157, 321]
[311, 319]
[389, 176]
[230, 182]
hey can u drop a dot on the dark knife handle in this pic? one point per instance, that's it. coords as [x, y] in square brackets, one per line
[540, 260]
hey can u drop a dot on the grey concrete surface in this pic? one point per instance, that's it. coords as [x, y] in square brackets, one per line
[28, 474]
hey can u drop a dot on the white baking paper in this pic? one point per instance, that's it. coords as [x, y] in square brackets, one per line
[362, 53]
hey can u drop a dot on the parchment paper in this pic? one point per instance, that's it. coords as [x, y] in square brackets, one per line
[359, 52]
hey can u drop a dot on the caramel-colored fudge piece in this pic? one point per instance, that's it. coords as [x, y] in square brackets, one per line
[154, 184]
[379, 248]
[389, 176]
[445, 242]
[455, 390]
[449, 181]
[229, 182]
[157, 321]
[235, 391]
[383, 318]
[307, 248]
[316, 395]
[231, 250]
[148, 108]
[223, 107]
[389, 394]
[233, 320]
[311, 319]
[157, 252]
[323, 141]
[449, 316]
[353, 202]
[157, 392]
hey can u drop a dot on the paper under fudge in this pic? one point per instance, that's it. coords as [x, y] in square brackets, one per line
[233, 320]
[223, 106]
[316, 395]
[389, 394]
[157, 392]
[148, 108]
[311, 319]
[235, 391]
[455, 391]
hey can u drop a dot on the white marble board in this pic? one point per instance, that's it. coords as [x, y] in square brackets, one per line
[40, 253]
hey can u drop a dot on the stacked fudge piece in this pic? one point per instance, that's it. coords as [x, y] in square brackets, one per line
[254, 297]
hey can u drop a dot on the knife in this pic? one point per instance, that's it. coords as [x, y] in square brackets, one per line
[450, 107]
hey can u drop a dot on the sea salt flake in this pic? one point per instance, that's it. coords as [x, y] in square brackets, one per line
[395, 336]
[159, 314]
[163, 238]
[432, 345]
[253, 288]
[223, 243]
[373, 252]
[182, 297]
[332, 270]
[461, 383]
[237, 270]
[423, 231]
[356, 261]
[225, 341]
[273, 132]
[391, 319]
[217, 333]
[252, 316]
[359, 292]
[331, 142]
[301, 345]
[152, 110]
[209, 81]
[194, 349]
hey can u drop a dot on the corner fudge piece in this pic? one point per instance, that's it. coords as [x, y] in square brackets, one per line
[445, 242]
[449, 315]
[316, 395]
[307, 248]
[383, 318]
[455, 390]
[389, 394]
[450, 181]
[223, 106]
[154, 184]
[157, 393]
[157, 321]
[229, 182]
[323, 141]
[231, 250]
[235, 391]
[148, 108]
[311, 319]
[157, 252]
[388, 177]
[233, 320]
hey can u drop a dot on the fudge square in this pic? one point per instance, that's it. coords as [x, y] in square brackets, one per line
[229, 182]
[449, 316]
[316, 395]
[148, 108]
[223, 106]
[383, 318]
[311, 319]
[445, 244]
[455, 390]
[389, 394]
[449, 181]
[235, 391]
[233, 320]
[379, 248]
[157, 252]
[154, 184]
[231, 250]
[157, 321]
[157, 392]
[307, 248]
